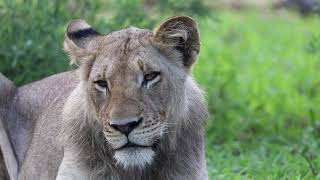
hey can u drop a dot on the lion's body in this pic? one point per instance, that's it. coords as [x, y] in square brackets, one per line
[62, 126]
[33, 122]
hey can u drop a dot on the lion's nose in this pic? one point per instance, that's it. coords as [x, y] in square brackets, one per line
[125, 126]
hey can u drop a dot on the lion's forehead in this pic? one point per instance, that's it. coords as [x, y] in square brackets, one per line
[116, 69]
[126, 56]
[122, 47]
[123, 42]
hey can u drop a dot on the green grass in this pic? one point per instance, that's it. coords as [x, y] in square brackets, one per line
[262, 76]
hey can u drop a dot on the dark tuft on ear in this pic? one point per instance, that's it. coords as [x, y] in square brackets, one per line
[81, 41]
[179, 34]
[81, 33]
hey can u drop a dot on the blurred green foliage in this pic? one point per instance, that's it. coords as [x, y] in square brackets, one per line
[32, 35]
[261, 74]
[188, 7]
[317, 7]
[260, 71]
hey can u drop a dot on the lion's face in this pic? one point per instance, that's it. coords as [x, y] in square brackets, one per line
[131, 95]
[134, 81]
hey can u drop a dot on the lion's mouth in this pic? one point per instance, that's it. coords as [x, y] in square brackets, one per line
[133, 145]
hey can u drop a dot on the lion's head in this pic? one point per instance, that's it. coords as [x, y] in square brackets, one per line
[134, 81]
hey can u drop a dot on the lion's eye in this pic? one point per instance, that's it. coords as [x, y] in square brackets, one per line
[150, 78]
[101, 85]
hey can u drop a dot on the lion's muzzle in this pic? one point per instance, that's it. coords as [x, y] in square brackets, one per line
[133, 140]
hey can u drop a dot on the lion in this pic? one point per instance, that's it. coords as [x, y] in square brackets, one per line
[130, 111]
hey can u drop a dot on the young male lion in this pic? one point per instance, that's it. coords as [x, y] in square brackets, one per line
[131, 110]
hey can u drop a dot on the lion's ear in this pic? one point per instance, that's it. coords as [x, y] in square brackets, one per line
[80, 41]
[181, 34]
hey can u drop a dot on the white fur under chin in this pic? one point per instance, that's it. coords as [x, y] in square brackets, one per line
[134, 157]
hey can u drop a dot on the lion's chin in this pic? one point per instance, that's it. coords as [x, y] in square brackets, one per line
[132, 157]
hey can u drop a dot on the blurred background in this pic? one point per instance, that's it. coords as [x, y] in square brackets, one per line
[259, 64]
